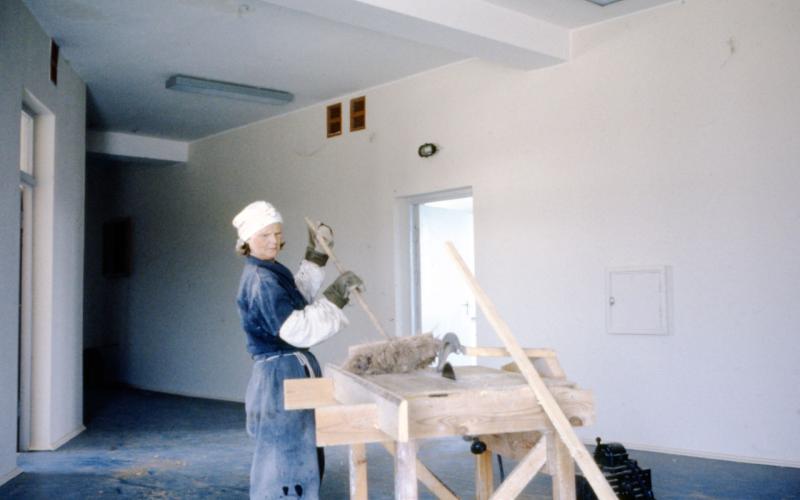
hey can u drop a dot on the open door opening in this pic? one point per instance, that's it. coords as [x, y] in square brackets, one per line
[441, 303]
[25, 360]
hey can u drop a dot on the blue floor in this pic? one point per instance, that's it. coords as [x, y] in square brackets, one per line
[147, 445]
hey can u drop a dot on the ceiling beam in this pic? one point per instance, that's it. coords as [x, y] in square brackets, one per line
[475, 28]
[137, 148]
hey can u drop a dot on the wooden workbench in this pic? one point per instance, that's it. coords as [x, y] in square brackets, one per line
[397, 410]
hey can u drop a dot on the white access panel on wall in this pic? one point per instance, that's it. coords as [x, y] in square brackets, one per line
[636, 300]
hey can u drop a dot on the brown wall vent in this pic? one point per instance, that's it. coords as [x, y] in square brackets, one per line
[334, 120]
[358, 113]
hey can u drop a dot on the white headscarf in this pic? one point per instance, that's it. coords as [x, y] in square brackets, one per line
[254, 217]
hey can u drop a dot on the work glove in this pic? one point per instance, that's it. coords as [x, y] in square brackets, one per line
[314, 251]
[339, 291]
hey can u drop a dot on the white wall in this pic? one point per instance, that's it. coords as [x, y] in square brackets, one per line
[670, 138]
[24, 66]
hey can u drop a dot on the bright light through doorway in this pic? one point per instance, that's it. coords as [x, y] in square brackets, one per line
[445, 303]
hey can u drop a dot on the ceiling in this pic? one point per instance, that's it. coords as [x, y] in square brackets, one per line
[316, 49]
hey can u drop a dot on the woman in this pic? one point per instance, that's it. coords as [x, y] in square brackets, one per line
[282, 319]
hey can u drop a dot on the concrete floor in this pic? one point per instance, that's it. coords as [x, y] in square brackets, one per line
[147, 445]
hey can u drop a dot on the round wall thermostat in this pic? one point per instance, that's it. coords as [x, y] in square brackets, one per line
[427, 150]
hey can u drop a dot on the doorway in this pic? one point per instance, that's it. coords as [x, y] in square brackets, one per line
[25, 355]
[441, 302]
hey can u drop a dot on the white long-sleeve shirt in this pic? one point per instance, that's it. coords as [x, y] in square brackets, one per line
[320, 319]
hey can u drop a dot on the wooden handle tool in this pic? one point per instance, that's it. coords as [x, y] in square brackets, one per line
[359, 297]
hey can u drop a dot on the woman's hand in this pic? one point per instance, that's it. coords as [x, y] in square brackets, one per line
[315, 252]
[339, 291]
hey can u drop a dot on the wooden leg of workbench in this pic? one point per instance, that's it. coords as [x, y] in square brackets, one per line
[426, 477]
[523, 473]
[562, 468]
[484, 475]
[358, 471]
[405, 471]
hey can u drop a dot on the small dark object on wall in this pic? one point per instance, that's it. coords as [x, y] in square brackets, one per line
[53, 62]
[626, 478]
[427, 150]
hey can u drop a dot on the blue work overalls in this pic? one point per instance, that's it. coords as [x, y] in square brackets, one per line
[286, 461]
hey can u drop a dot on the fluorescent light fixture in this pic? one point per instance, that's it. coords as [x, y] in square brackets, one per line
[230, 90]
[603, 3]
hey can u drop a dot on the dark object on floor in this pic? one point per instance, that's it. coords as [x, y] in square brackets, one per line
[627, 479]
[477, 447]
[502, 469]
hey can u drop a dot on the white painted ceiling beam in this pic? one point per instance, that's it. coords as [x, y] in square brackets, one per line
[475, 28]
[137, 147]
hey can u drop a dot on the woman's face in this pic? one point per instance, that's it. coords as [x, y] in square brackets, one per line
[266, 243]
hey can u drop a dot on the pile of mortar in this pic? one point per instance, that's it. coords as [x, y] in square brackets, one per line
[399, 355]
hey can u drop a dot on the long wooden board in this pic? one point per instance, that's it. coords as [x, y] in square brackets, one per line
[576, 448]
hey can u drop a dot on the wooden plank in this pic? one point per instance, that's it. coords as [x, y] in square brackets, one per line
[405, 471]
[523, 473]
[433, 483]
[562, 468]
[475, 413]
[358, 472]
[578, 451]
[394, 419]
[422, 383]
[476, 379]
[502, 352]
[351, 388]
[355, 293]
[484, 475]
[307, 393]
[392, 408]
[513, 445]
[348, 424]
[426, 477]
